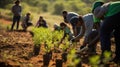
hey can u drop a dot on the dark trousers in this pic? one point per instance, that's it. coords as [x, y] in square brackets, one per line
[91, 36]
[29, 24]
[15, 19]
[26, 25]
[109, 25]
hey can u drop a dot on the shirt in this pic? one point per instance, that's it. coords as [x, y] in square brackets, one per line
[68, 32]
[16, 9]
[106, 10]
[41, 23]
[88, 21]
[70, 15]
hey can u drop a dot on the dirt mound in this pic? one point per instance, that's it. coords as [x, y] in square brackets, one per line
[15, 47]
[16, 50]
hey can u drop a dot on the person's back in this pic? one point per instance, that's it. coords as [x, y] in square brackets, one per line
[26, 19]
[91, 36]
[88, 20]
[70, 15]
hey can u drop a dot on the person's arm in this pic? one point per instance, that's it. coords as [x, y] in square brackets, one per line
[45, 23]
[65, 20]
[37, 24]
[74, 30]
[25, 20]
[20, 9]
[12, 10]
[82, 30]
[78, 33]
[96, 39]
[96, 26]
[81, 34]
[63, 37]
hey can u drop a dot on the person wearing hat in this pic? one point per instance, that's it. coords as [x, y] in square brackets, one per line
[110, 14]
[16, 10]
[26, 22]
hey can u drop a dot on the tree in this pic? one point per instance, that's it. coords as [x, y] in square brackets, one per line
[58, 8]
[3, 3]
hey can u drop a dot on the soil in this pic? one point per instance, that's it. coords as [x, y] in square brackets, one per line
[16, 50]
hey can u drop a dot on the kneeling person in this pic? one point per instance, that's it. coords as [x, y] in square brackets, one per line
[26, 22]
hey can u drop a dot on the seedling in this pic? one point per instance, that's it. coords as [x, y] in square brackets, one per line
[94, 60]
[73, 61]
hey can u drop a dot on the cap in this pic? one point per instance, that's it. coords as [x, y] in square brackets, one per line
[96, 4]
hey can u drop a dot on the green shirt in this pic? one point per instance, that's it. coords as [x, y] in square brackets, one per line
[96, 20]
[58, 28]
[113, 8]
[67, 30]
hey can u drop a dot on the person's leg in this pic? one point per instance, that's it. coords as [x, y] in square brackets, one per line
[117, 39]
[117, 43]
[88, 39]
[106, 29]
[91, 36]
[110, 24]
[105, 34]
[29, 24]
[78, 29]
[13, 24]
[24, 27]
[18, 20]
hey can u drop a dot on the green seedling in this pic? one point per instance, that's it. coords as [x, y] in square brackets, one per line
[94, 60]
[73, 61]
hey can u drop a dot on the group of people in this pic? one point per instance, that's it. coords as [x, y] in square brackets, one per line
[97, 25]
[16, 10]
[66, 29]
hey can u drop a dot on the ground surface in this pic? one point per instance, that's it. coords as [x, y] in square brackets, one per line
[16, 50]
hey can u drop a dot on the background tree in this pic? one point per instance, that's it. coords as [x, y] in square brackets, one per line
[4, 3]
[58, 8]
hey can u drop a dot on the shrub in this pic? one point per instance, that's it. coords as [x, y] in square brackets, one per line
[72, 59]
[58, 8]
[47, 37]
